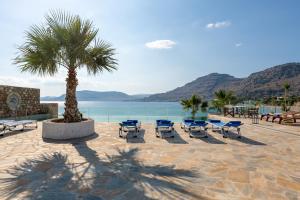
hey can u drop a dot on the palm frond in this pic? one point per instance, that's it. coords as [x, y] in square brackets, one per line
[39, 53]
[186, 104]
[100, 57]
[65, 40]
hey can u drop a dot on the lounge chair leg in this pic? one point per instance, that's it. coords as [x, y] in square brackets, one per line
[157, 133]
[224, 133]
[120, 133]
[205, 130]
[239, 133]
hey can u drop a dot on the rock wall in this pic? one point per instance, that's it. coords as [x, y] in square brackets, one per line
[29, 102]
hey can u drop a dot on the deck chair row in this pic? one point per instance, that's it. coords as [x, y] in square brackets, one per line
[165, 128]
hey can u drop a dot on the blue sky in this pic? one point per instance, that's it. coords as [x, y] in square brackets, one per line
[162, 44]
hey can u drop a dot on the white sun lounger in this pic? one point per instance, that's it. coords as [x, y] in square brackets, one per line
[10, 125]
[224, 127]
[192, 126]
[132, 126]
[164, 126]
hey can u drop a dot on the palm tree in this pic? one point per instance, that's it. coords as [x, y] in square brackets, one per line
[65, 41]
[286, 87]
[223, 98]
[193, 104]
[204, 106]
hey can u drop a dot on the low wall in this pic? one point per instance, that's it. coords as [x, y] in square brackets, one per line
[50, 108]
[38, 117]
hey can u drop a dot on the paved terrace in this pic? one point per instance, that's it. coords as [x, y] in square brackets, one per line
[264, 164]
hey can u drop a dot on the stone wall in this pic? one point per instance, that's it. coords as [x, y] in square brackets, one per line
[29, 102]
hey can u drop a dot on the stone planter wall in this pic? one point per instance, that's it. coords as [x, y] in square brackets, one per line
[63, 131]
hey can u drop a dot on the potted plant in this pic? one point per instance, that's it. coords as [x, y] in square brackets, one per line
[69, 42]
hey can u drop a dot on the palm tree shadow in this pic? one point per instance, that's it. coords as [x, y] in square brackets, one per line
[177, 139]
[117, 176]
[243, 139]
[42, 178]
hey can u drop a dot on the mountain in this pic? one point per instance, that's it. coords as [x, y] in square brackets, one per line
[257, 85]
[87, 95]
[270, 82]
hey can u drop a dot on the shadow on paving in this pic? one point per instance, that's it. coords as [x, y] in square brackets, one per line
[138, 139]
[211, 140]
[13, 132]
[76, 140]
[177, 139]
[120, 176]
[243, 139]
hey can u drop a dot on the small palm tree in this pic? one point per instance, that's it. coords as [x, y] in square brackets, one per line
[223, 98]
[194, 104]
[65, 41]
[286, 87]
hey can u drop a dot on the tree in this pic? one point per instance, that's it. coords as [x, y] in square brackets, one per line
[194, 104]
[65, 41]
[286, 87]
[223, 98]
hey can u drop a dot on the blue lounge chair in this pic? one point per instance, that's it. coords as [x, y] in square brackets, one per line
[10, 125]
[192, 126]
[164, 126]
[224, 127]
[133, 126]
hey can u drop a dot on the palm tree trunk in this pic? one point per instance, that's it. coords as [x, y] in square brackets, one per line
[285, 91]
[72, 113]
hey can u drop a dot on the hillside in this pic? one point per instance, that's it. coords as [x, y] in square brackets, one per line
[86, 95]
[257, 85]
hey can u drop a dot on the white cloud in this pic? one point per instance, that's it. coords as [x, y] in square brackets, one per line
[217, 25]
[238, 44]
[160, 44]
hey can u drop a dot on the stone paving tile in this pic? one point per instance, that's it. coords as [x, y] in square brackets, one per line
[264, 164]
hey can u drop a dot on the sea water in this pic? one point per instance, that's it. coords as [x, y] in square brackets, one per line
[114, 111]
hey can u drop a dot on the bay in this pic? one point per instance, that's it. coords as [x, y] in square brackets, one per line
[117, 111]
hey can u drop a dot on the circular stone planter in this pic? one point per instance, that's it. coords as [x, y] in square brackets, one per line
[61, 131]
